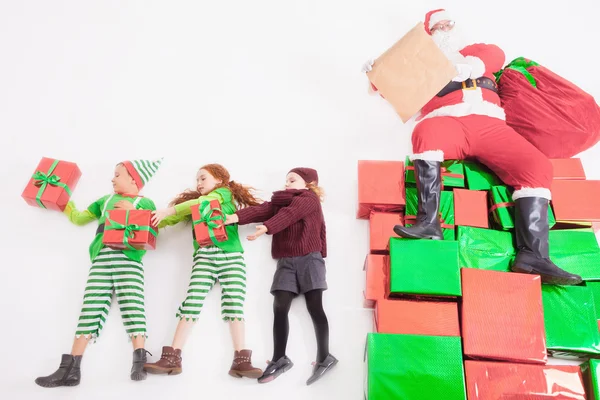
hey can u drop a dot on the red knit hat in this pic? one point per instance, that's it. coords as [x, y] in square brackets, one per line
[435, 16]
[308, 174]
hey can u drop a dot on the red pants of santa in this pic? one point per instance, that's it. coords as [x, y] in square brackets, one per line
[490, 141]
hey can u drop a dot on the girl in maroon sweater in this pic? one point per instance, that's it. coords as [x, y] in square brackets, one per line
[295, 219]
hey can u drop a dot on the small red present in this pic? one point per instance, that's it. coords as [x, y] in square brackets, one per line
[380, 187]
[567, 168]
[377, 274]
[52, 184]
[499, 310]
[505, 381]
[130, 230]
[381, 229]
[470, 208]
[576, 201]
[209, 223]
[409, 317]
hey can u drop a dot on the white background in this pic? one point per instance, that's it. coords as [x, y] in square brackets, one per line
[260, 86]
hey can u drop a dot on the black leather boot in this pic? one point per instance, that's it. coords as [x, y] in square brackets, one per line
[533, 257]
[68, 374]
[428, 176]
[137, 369]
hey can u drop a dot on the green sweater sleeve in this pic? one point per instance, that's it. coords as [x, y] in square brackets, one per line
[173, 220]
[183, 209]
[86, 216]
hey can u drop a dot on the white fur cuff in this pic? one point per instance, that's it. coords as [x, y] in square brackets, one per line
[430, 155]
[532, 192]
[477, 65]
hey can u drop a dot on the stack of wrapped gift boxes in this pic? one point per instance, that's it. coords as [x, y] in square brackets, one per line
[450, 320]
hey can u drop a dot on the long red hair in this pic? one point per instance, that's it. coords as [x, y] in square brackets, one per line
[243, 195]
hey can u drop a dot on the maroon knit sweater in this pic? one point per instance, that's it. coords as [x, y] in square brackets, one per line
[298, 228]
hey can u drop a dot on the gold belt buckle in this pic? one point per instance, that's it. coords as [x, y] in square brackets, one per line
[464, 85]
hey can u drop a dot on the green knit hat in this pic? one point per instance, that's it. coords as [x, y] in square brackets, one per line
[142, 170]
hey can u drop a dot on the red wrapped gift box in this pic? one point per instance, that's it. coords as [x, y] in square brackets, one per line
[380, 187]
[130, 229]
[409, 317]
[502, 381]
[381, 229]
[576, 200]
[377, 275]
[470, 208]
[208, 221]
[567, 168]
[52, 184]
[503, 316]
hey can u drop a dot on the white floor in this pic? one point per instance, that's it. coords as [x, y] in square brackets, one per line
[260, 87]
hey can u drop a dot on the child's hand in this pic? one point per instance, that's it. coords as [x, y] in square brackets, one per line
[231, 219]
[124, 205]
[260, 230]
[159, 215]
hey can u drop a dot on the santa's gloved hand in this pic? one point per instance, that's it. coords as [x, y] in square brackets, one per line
[464, 72]
[368, 66]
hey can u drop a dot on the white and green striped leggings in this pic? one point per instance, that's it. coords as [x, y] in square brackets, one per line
[112, 271]
[211, 265]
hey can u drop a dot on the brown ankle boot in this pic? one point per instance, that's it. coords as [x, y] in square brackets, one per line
[242, 365]
[169, 363]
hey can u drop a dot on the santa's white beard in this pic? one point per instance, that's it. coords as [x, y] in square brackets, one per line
[450, 43]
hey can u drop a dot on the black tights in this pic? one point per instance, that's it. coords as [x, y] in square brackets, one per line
[281, 308]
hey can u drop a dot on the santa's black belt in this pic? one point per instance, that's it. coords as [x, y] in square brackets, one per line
[469, 84]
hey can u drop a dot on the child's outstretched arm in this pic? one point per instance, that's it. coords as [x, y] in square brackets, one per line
[299, 208]
[182, 211]
[84, 217]
[252, 214]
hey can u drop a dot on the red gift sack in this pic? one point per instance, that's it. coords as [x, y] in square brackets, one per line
[555, 115]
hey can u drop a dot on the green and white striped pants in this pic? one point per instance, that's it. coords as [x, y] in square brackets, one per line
[112, 271]
[211, 265]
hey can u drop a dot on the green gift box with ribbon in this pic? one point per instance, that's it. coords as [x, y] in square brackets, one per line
[209, 223]
[503, 209]
[485, 248]
[413, 367]
[576, 251]
[453, 173]
[570, 321]
[129, 230]
[446, 211]
[52, 184]
[591, 378]
[480, 177]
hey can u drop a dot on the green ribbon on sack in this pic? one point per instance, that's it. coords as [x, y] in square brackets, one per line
[43, 179]
[128, 229]
[520, 64]
[208, 217]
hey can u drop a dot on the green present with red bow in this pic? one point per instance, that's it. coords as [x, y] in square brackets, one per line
[209, 223]
[129, 230]
[503, 209]
[52, 184]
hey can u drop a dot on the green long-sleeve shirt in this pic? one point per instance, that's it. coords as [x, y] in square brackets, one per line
[97, 210]
[225, 198]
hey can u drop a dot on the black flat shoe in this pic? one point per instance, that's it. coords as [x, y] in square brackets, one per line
[274, 369]
[320, 369]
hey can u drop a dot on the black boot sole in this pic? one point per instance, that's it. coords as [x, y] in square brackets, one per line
[408, 235]
[549, 279]
[54, 385]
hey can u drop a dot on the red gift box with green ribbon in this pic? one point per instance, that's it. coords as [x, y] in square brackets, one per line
[52, 184]
[209, 223]
[129, 230]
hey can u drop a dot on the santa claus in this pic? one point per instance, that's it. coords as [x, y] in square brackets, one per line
[465, 121]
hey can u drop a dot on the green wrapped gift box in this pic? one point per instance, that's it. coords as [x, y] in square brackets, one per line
[485, 248]
[446, 211]
[503, 208]
[576, 251]
[480, 177]
[591, 378]
[453, 173]
[570, 321]
[413, 367]
[424, 267]
[595, 288]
